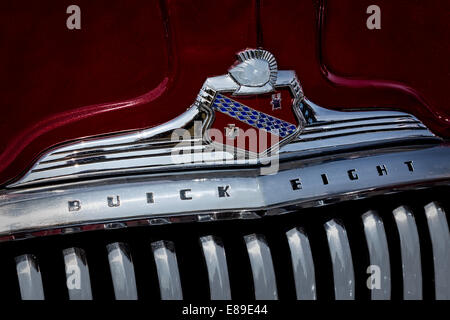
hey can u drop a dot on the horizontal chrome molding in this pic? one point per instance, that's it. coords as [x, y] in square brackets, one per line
[440, 240]
[219, 194]
[151, 150]
[410, 252]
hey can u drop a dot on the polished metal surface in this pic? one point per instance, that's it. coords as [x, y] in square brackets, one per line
[167, 269]
[410, 251]
[205, 194]
[134, 154]
[379, 255]
[440, 240]
[341, 258]
[29, 275]
[77, 274]
[262, 267]
[216, 263]
[122, 271]
[257, 68]
[162, 148]
[302, 264]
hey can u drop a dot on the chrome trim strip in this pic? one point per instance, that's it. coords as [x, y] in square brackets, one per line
[28, 210]
[216, 263]
[364, 122]
[379, 254]
[440, 240]
[316, 134]
[262, 267]
[341, 258]
[29, 275]
[167, 269]
[77, 274]
[122, 271]
[302, 264]
[410, 252]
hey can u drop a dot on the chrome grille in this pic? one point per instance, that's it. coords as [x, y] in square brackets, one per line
[314, 253]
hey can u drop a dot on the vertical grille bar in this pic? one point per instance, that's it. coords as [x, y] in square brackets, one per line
[379, 254]
[30, 280]
[122, 271]
[341, 257]
[440, 240]
[302, 264]
[262, 267]
[410, 252]
[216, 263]
[167, 269]
[77, 274]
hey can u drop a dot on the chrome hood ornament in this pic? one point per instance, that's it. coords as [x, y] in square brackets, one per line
[256, 69]
[248, 99]
[254, 114]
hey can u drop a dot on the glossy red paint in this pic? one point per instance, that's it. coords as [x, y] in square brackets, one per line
[404, 56]
[139, 64]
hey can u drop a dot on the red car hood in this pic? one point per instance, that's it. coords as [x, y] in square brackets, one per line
[139, 64]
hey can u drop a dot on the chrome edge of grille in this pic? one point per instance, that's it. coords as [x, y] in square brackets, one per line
[379, 254]
[410, 253]
[122, 271]
[167, 269]
[440, 240]
[77, 274]
[216, 264]
[302, 264]
[29, 276]
[342, 262]
[264, 280]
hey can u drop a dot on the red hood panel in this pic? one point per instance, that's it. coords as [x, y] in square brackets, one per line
[139, 64]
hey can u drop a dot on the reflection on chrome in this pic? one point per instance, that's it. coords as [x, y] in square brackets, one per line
[410, 251]
[302, 264]
[77, 273]
[167, 269]
[122, 271]
[29, 275]
[379, 253]
[440, 240]
[341, 258]
[262, 267]
[216, 263]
